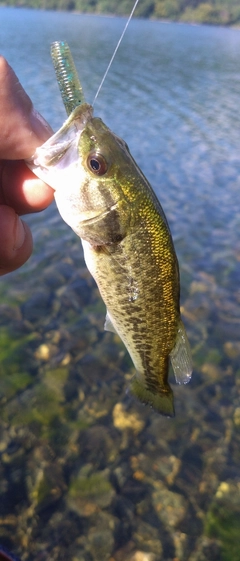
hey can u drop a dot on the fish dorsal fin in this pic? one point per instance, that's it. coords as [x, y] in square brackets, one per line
[181, 358]
[108, 326]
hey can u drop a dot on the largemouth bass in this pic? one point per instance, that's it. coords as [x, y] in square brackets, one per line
[105, 198]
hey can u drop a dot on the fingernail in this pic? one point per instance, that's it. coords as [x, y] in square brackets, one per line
[19, 234]
[40, 127]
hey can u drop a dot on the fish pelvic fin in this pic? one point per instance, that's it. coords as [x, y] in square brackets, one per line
[161, 401]
[181, 358]
[108, 325]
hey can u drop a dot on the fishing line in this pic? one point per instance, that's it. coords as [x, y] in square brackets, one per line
[115, 50]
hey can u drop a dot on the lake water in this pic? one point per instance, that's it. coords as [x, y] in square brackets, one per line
[86, 473]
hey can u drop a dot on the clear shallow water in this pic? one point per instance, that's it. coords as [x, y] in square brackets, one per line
[165, 488]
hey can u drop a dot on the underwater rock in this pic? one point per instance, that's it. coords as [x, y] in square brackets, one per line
[212, 372]
[123, 509]
[146, 539]
[206, 550]
[126, 420]
[232, 349]
[9, 314]
[156, 465]
[120, 474]
[37, 407]
[181, 544]
[75, 295]
[89, 492]
[61, 532]
[99, 445]
[44, 480]
[170, 507]
[143, 556]
[222, 521]
[100, 538]
[55, 380]
[38, 306]
[236, 417]
[43, 352]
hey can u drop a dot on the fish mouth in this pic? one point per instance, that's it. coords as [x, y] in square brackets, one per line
[60, 151]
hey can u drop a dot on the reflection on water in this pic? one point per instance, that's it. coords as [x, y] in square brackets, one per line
[87, 473]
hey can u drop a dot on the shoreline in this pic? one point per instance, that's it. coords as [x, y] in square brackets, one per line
[108, 15]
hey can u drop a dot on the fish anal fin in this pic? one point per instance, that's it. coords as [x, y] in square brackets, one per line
[161, 401]
[108, 326]
[181, 358]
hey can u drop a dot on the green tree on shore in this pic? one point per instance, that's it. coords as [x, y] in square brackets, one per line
[218, 12]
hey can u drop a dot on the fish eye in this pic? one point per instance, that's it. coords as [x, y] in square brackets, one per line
[97, 163]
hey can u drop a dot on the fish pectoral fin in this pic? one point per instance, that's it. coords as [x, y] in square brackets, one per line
[161, 401]
[108, 326]
[181, 358]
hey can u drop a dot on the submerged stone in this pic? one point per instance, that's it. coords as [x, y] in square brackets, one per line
[88, 493]
[223, 520]
[126, 420]
[170, 507]
[147, 541]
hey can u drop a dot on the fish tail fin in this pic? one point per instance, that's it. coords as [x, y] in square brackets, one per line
[161, 400]
[181, 358]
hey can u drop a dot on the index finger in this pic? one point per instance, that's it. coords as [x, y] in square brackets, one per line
[22, 128]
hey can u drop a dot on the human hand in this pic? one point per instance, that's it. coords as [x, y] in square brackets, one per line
[22, 129]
